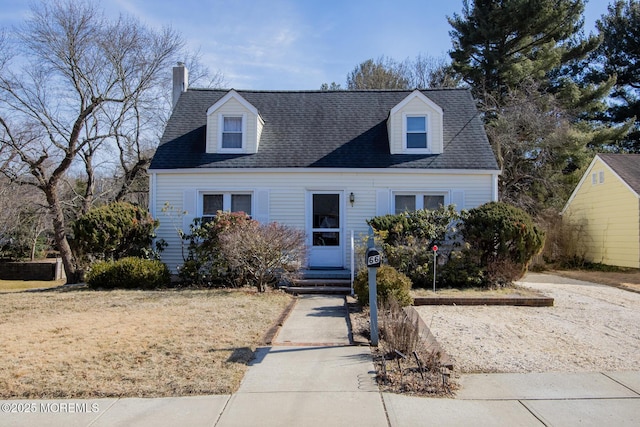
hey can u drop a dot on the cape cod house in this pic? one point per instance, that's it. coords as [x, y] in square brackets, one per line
[604, 211]
[322, 161]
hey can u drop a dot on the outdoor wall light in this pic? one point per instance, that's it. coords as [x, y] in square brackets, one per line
[352, 198]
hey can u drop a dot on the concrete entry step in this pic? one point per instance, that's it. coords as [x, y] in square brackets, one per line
[324, 290]
[322, 281]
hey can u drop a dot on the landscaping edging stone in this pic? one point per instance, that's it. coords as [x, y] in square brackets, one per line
[272, 332]
[428, 338]
[515, 301]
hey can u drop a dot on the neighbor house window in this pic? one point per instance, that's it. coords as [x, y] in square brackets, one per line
[416, 132]
[232, 132]
[597, 178]
[414, 202]
[231, 202]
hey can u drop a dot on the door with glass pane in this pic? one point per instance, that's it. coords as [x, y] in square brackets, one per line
[325, 229]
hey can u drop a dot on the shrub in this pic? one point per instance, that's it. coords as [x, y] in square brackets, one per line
[114, 231]
[462, 270]
[128, 273]
[503, 238]
[408, 239]
[263, 254]
[390, 283]
[204, 264]
[399, 332]
[432, 226]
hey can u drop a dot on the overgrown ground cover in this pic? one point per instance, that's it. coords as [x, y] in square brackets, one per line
[81, 344]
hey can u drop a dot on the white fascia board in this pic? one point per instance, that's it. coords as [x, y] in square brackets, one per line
[195, 171]
[232, 94]
[416, 94]
[586, 174]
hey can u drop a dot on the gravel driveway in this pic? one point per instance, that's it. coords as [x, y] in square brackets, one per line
[590, 328]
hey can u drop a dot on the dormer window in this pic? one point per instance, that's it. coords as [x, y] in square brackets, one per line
[234, 126]
[232, 132]
[416, 134]
[415, 126]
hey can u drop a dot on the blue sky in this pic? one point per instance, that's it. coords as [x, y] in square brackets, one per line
[295, 44]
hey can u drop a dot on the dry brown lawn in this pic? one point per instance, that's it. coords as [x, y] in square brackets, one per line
[21, 285]
[87, 344]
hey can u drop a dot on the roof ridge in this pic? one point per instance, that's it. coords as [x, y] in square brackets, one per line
[204, 89]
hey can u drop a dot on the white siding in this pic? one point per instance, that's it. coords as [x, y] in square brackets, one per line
[284, 192]
[395, 126]
[234, 107]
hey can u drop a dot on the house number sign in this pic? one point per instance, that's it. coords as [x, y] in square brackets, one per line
[373, 258]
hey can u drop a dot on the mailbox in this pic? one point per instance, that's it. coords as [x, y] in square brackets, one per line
[373, 258]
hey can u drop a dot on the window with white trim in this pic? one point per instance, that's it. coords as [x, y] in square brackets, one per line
[232, 132]
[415, 132]
[413, 202]
[231, 202]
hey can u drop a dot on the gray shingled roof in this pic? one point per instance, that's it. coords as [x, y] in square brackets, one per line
[317, 129]
[627, 166]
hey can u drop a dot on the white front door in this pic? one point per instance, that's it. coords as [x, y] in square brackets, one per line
[324, 225]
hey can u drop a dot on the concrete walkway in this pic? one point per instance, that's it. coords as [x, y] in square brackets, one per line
[312, 376]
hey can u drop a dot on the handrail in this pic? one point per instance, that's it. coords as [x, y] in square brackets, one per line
[352, 261]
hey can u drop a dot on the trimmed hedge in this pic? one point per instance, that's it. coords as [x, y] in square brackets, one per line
[128, 273]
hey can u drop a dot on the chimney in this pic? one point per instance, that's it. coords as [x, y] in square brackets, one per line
[180, 81]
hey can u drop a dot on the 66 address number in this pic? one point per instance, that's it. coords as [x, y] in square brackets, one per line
[373, 260]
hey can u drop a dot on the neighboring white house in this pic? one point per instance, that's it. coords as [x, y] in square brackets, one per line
[321, 161]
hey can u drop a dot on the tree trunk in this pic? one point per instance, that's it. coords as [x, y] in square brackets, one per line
[60, 235]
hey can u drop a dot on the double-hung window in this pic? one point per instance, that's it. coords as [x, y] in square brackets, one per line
[232, 132]
[416, 132]
[232, 202]
[412, 202]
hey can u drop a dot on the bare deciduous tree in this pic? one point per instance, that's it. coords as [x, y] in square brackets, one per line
[539, 152]
[23, 220]
[59, 97]
[423, 72]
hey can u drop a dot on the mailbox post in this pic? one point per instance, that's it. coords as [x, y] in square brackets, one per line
[373, 262]
[435, 256]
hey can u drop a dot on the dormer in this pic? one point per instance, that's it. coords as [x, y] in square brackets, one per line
[415, 126]
[234, 126]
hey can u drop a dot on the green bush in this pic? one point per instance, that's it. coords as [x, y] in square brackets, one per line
[390, 283]
[431, 226]
[503, 239]
[462, 270]
[128, 273]
[408, 239]
[114, 231]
